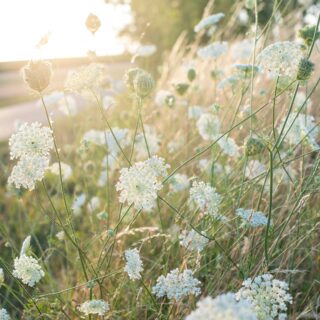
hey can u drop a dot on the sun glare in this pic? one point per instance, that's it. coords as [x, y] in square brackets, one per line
[23, 23]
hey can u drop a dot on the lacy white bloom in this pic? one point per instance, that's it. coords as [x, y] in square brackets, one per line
[60, 235]
[134, 265]
[66, 170]
[4, 315]
[208, 21]
[252, 218]
[164, 97]
[140, 183]
[193, 241]
[300, 126]
[213, 50]
[179, 182]
[281, 58]
[85, 78]
[254, 169]
[99, 307]
[78, 203]
[194, 112]
[31, 140]
[28, 171]
[229, 146]
[94, 204]
[28, 270]
[208, 126]
[205, 198]
[177, 285]
[153, 141]
[268, 296]
[223, 307]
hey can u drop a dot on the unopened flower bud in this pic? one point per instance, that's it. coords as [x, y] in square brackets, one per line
[93, 23]
[253, 146]
[181, 88]
[305, 69]
[191, 74]
[143, 84]
[130, 76]
[37, 74]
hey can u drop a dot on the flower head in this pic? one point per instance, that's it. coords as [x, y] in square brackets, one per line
[134, 265]
[208, 21]
[251, 218]
[213, 50]
[193, 241]
[4, 315]
[99, 307]
[208, 126]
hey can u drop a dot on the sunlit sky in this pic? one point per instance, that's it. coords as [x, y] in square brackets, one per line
[24, 22]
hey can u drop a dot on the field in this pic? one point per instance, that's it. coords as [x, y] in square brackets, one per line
[184, 190]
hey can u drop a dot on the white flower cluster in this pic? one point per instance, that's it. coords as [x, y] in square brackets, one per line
[1, 277]
[205, 198]
[193, 240]
[134, 265]
[254, 169]
[223, 307]
[268, 296]
[177, 285]
[229, 146]
[66, 170]
[85, 78]
[251, 218]
[4, 314]
[78, 203]
[281, 58]
[213, 50]
[208, 126]
[299, 127]
[140, 183]
[208, 21]
[28, 270]
[99, 307]
[31, 144]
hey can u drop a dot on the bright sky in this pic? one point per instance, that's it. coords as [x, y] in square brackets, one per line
[24, 22]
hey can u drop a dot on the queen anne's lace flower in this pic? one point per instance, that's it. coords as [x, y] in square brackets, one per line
[134, 265]
[177, 285]
[28, 171]
[208, 21]
[78, 203]
[213, 50]
[223, 307]
[31, 140]
[4, 314]
[229, 146]
[179, 182]
[28, 270]
[193, 240]
[251, 218]
[99, 307]
[205, 198]
[254, 169]
[268, 296]
[65, 169]
[281, 58]
[208, 126]
[299, 127]
[140, 183]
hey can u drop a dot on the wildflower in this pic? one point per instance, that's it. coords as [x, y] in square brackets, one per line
[60, 235]
[253, 146]
[312, 14]
[208, 126]
[298, 127]
[193, 240]
[28, 270]
[223, 307]
[93, 23]
[229, 146]
[65, 169]
[134, 265]
[305, 69]
[1, 277]
[254, 169]
[78, 203]
[251, 218]
[130, 76]
[308, 33]
[93, 204]
[179, 182]
[28, 171]
[164, 97]
[99, 307]
[37, 74]
[143, 84]
[281, 58]
[177, 285]
[4, 315]
[268, 296]
[31, 140]
[140, 183]
[213, 50]
[208, 21]
[153, 140]
[205, 198]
